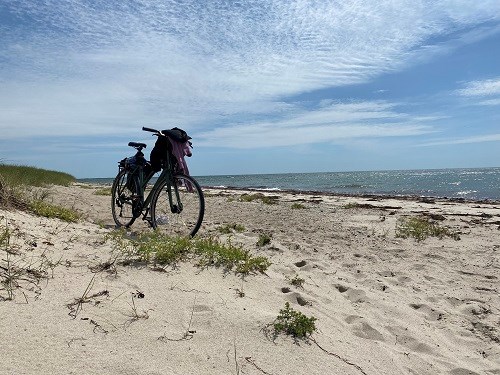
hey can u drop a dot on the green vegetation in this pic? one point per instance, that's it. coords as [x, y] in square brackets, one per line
[259, 196]
[213, 252]
[16, 175]
[169, 251]
[294, 323]
[421, 228]
[230, 228]
[298, 206]
[297, 281]
[41, 208]
[103, 191]
[16, 190]
[264, 239]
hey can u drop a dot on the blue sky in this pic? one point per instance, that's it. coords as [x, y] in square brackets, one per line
[261, 86]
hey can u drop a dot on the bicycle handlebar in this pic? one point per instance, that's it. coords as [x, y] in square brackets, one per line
[150, 130]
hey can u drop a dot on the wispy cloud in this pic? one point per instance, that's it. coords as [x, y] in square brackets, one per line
[77, 67]
[331, 122]
[457, 141]
[481, 88]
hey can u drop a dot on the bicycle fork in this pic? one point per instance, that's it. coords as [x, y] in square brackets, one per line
[174, 208]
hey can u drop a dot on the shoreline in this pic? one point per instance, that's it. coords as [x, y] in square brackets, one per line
[424, 199]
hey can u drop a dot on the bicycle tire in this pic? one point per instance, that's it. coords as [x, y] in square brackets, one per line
[185, 223]
[122, 199]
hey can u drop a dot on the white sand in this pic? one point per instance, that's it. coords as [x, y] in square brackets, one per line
[384, 305]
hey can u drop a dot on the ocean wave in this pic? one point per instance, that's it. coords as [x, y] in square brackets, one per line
[466, 192]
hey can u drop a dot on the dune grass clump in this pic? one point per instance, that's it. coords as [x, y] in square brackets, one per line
[16, 175]
[298, 206]
[42, 208]
[297, 281]
[421, 228]
[294, 323]
[212, 252]
[264, 239]
[103, 191]
[169, 251]
[15, 181]
[230, 228]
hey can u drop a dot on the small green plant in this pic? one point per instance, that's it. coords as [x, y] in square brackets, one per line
[163, 250]
[42, 208]
[298, 206]
[297, 281]
[264, 239]
[103, 191]
[294, 323]
[229, 228]
[421, 228]
[229, 256]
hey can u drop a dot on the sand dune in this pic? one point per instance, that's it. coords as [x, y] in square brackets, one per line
[384, 305]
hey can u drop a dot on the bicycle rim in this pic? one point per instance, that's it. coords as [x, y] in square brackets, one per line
[121, 201]
[188, 196]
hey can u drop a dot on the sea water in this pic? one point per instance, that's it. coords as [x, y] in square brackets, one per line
[473, 184]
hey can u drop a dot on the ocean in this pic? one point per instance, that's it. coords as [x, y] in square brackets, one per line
[469, 184]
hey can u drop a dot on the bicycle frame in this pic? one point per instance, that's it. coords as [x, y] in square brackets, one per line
[166, 175]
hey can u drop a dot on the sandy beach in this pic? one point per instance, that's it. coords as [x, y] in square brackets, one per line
[383, 304]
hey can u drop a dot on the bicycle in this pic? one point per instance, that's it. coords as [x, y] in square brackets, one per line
[175, 204]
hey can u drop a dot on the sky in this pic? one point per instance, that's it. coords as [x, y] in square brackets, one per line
[262, 86]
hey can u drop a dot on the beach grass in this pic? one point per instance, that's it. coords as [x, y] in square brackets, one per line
[16, 190]
[42, 208]
[19, 175]
[264, 239]
[103, 191]
[421, 228]
[230, 228]
[163, 250]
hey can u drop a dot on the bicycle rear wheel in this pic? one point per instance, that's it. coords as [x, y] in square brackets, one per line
[122, 195]
[183, 214]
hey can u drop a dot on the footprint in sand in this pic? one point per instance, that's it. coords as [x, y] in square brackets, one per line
[462, 371]
[429, 312]
[403, 338]
[301, 263]
[361, 328]
[201, 308]
[295, 297]
[353, 295]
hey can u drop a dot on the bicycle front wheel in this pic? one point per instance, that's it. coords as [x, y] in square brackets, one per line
[122, 195]
[178, 207]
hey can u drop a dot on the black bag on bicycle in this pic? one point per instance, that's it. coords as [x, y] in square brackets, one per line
[174, 147]
[132, 164]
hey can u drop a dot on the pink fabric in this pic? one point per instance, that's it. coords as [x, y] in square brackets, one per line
[180, 150]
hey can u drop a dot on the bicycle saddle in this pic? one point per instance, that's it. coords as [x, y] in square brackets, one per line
[136, 144]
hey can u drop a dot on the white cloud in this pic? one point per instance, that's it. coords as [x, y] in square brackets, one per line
[457, 141]
[79, 67]
[481, 88]
[492, 102]
[330, 123]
